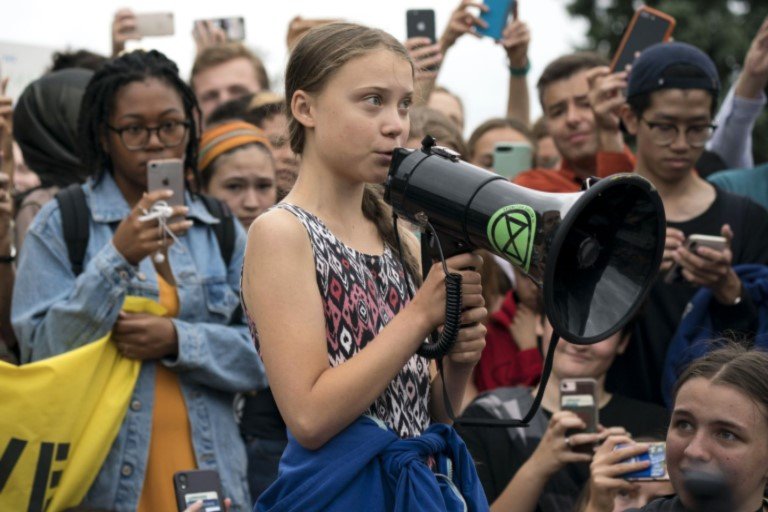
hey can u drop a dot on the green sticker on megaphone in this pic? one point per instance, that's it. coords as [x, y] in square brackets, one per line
[511, 231]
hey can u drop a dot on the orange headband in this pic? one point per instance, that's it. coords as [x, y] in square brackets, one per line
[227, 136]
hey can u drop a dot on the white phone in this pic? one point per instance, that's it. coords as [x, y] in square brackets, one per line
[718, 243]
[154, 24]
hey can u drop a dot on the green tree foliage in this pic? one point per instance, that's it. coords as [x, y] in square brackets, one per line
[723, 29]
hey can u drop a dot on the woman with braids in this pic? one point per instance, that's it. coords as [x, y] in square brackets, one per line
[328, 288]
[137, 109]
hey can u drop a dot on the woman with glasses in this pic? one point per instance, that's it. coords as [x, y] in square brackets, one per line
[137, 109]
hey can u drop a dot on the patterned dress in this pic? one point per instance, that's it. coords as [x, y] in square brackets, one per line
[361, 293]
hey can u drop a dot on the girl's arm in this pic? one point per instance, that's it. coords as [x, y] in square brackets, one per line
[280, 291]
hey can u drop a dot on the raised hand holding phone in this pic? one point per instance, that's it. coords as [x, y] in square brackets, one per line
[463, 21]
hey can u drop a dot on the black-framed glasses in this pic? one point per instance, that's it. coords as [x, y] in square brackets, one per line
[664, 134]
[136, 137]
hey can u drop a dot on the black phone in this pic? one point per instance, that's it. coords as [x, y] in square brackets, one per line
[421, 23]
[647, 27]
[198, 485]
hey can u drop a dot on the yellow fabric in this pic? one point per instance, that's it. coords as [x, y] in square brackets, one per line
[170, 445]
[62, 415]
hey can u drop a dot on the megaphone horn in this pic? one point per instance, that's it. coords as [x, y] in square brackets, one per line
[595, 253]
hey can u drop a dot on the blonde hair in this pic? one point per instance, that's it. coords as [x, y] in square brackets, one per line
[314, 60]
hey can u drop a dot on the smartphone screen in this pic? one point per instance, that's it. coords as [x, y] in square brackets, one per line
[646, 29]
[496, 17]
[233, 28]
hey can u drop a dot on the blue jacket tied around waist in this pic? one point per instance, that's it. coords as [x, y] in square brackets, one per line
[368, 467]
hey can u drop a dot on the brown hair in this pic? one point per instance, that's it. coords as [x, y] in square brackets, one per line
[445, 90]
[539, 129]
[314, 60]
[494, 124]
[428, 121]
[221, 53]
[565, 67]
[734, 365]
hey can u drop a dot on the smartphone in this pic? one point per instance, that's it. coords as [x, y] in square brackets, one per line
[580, 397]
[167, 174]
[496, 17]
[154, 24]
[233, 28]
[198, 485]
[657, 456]
[718, 243]
[512, 158]
[646, 28]
[421, 23]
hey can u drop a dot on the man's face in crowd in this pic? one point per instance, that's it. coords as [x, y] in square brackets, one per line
[570, 121]
[227, 81]
[663, 148]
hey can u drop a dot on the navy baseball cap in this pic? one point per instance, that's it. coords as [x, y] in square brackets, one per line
[649, 70]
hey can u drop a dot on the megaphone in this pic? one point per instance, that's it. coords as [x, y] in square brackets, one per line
[595, 253]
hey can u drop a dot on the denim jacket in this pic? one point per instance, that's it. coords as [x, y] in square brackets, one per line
[54, 312]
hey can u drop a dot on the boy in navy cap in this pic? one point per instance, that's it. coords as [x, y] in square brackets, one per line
[671, 97]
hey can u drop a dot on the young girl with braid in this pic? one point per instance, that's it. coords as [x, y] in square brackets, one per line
[324, 287]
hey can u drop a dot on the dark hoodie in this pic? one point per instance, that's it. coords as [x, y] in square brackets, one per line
[45, 126]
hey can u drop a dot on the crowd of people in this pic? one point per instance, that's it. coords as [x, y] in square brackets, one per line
[282, 240]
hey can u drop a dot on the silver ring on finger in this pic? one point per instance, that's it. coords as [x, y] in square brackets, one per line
[567, 441]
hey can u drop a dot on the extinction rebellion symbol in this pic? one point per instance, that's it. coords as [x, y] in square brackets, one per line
[511, 231]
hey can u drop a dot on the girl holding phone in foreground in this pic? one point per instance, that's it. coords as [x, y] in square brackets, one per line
[324, 286]
[719, 426]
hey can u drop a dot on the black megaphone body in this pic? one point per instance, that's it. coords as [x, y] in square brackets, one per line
[595, 253]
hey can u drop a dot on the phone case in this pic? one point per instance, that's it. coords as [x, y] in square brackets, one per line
[154, 24]
[496, 17]
[580, 397]
[198, 485]
[167, 174]
[657, 455]
[420, 23]
[512, 158]
[718, 243]
[647, 27]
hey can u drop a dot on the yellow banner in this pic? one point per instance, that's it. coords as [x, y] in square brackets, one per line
[59, 418]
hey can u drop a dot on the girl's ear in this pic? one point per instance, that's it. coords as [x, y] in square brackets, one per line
[629, 119]
[623, 342]
[302, 108]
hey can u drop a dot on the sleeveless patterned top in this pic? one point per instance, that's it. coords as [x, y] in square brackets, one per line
[361, 293]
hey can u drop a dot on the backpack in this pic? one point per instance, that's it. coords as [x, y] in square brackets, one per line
[75, 219]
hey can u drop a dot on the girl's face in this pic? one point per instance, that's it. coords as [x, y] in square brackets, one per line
[639, 497]
[717, 428]
[361, 115]
[245, 180]
[582, 361]
[150, 103]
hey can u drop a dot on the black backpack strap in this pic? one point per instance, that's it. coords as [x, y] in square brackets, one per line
[75, 223]
[225, 229]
